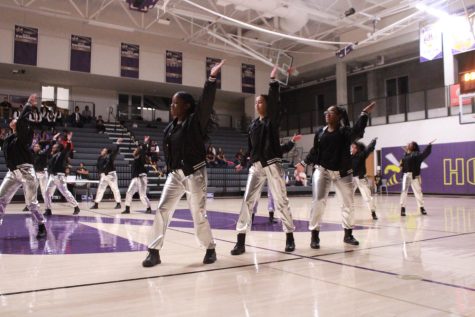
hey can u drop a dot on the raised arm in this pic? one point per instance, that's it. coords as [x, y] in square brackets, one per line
[273, 103]
[23, 129]
[370, 148]
[426, 152]
[205, 105]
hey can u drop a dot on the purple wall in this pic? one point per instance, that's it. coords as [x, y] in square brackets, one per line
[450, 168]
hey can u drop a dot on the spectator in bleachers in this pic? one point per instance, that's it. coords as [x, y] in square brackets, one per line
[300, 178]
[212, 149]
[82, 172]
[86, 115]
[5, 108]
[49, 121]
[3, 135]
[221, 159]
[100, 126]
[16, 112]
[44, 115]
[76, 119]
[211, 157]
[35, 118]
[58, 117]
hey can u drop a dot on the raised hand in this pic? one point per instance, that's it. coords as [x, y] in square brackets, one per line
[273, 72]
[369, 107]
[216, 68]
[296, 138]
[300, 168]
[238, 168]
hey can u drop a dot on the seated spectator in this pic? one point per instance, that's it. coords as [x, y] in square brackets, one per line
[16, 112]
[5, 108]
[82, 172]
[211, 158]
[100, 126]
[58, 117]
[76, 118]
[35, 118]
[87, 115]
[221, 159]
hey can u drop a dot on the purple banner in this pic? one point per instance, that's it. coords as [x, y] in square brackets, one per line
[450, 169]
[210, 62]
[174, 67]
[80, 53]
[129, 60]
[248, 78]
[26, 45]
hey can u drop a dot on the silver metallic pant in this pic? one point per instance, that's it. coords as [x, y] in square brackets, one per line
[43, 181]
[363, 185]
[322, 180]
[416, 184]
[176, 185]
[274, 174]
[108, 180]
[24, 176]
[58, 181]
[138, 184]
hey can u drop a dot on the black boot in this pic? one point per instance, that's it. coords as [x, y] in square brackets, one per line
[271, 217]
[289, 242]
[26, 208]
[423, 211]
[47, 212]
[315, 242]
[349, 237]
[373, 214]
[152, 259]
[127, 210]
[96, 206]
[210, 256]
[148, 211]
[240, 246]
[118, 206]
[403, 211]
[41, 231]
[76, 210]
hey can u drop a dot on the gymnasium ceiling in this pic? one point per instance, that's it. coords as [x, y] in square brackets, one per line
[387, 28]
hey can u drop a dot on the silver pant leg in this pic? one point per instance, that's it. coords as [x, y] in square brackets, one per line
[321, 184]
[172, 192]
[255, 182]
[30, 187]
[276, 183]
[101, 188]
[51, 188]
[113, 182]
[365, 191]
[60, 182]
[406, 181]
[143, 181]
[43, 181]
[344, 191]
[270, 200]
[195, 186]
[416, 185]
[133, 188]
[9, 187]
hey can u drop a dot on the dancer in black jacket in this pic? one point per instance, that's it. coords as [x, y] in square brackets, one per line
[359, 154]
[106, 168]
[266, 159]
[411, 169]
[184, 146]
[19, 160]
[57, 165]
[332, 162]
[139, 178]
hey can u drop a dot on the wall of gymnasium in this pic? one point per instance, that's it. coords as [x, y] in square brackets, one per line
[54, 53]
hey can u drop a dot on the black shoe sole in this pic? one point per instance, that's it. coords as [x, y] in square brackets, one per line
[290, 248]
[150, 264]
[125, 212]
[239, 251]
[315, 246]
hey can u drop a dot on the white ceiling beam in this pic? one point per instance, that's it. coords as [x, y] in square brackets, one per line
[127, 12]
[76, 8]
[103, 6]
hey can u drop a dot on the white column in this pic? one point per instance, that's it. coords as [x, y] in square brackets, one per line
[341, 84]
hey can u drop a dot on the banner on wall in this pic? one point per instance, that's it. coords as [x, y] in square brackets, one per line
[248, 78]
[26, 45]
[430, 43]
[210, 62]
[450, 169]
[174, 67]
[80, 53]
[129, 60]
[460, 35]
